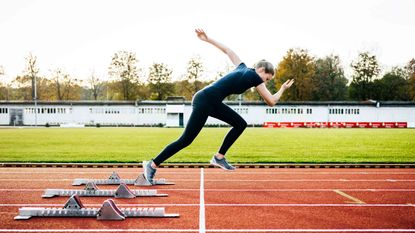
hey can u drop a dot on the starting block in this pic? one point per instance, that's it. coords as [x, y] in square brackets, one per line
[91, 190]
[115, 179]
[108, 211]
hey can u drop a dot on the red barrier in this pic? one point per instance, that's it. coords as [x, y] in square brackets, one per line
[335, 124]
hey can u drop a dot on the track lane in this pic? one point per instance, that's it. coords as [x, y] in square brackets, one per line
[184, 199]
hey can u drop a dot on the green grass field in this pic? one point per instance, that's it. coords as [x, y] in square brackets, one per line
[256, 145]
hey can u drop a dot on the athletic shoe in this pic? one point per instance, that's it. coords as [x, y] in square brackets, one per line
[222, 163]
[149, 171]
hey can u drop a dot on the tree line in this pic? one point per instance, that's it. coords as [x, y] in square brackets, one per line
[316, 79]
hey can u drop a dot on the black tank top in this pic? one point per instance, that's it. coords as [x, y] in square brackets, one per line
[235, 82]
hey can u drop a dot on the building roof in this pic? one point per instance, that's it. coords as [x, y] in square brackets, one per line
[242, 103]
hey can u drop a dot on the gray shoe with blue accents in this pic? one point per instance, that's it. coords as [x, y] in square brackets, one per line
[149, 171]
[222, 163]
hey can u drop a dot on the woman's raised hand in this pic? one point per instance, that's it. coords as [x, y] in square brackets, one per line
[201, 34]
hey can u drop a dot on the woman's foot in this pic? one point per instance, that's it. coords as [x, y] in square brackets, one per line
[149, 171]
[222, 163]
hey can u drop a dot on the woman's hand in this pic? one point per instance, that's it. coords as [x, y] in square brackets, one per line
[287, 84]
[201, 34]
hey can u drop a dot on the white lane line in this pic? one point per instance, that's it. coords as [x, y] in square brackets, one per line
[238, 190]
[95, 205]
[210, 230]
[98, 230]
[37, 180]
[202, 220]
[311, 205]
[197, 172]
[21, 190]
[305, 180]
[306, 190]
[311, 230]
[221, 205]
[391, 180]
[227, 180]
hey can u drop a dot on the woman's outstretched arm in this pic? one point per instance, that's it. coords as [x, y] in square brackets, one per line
[231, 54]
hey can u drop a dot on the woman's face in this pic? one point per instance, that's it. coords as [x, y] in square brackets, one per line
[264, 76]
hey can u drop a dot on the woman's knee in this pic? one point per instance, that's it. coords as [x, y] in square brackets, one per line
[184, 142]
[241, 125]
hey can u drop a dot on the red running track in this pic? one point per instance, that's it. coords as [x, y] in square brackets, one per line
[212, 200]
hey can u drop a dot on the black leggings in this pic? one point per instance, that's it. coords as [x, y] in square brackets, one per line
[203, 107]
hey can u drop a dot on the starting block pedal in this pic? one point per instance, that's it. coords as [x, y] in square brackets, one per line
[115, 179]
[108, 211]
[91, 190]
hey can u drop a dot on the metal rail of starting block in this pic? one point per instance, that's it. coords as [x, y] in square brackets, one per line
[91, 190]
[115, 179]
[108, 211]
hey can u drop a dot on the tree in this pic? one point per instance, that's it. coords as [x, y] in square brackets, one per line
[66, 87]
[95, 86]
[123, 69]
[195, 70]
[4, 87]
[22, 89]
[297, 64]
[184, 88]
[329, 82]
[366, 68]
[392, 86]
[25, 83]
[410, 68]
[160, 81]
[31, 72]
[46, 89]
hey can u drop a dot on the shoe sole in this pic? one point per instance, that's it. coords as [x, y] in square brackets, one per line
[218, 165]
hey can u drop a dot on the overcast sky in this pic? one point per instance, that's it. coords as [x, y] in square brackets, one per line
[81, 36]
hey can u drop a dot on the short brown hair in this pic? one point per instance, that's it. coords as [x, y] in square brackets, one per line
[269, 68]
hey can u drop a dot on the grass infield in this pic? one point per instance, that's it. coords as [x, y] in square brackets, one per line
[256, 145]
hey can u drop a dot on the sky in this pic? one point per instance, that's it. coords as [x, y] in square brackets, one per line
[81, 36]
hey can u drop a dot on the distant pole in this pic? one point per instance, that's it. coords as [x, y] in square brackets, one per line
[35, 99]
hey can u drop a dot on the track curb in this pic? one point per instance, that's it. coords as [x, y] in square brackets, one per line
[200, 165]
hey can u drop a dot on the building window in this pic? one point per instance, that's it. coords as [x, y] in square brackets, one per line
[344, 111]
[112, 111]
[241, 110]
[160, 110]
[3, 110]
[151, 110]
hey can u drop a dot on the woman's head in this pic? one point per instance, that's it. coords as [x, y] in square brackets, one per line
[265, 70]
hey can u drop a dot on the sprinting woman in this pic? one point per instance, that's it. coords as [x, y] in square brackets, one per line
[208, 102]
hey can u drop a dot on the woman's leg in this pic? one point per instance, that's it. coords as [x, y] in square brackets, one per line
[196, 122]
[228, 115]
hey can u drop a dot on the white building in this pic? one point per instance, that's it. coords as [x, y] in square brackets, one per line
[176, 113]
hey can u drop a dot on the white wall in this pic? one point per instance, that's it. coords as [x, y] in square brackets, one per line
[153, 114]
